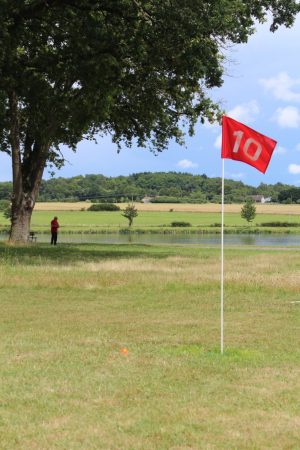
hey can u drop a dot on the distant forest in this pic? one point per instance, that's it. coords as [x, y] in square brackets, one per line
[170, 187]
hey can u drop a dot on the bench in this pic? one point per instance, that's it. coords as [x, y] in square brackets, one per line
[32, 237]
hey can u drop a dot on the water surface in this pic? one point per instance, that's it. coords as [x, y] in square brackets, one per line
[269, 240]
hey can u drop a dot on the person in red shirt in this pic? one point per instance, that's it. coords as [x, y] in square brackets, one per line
[54, 230]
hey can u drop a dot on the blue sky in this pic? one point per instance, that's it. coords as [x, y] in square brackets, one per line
[261, 89]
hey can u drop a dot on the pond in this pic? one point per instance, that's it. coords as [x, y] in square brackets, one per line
[261, 240]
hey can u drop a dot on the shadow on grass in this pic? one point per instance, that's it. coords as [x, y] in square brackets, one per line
[33, 254]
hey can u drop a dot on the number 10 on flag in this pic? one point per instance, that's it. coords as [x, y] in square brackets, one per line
[242, 143]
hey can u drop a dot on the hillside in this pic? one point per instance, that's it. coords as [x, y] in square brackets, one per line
[169, 187]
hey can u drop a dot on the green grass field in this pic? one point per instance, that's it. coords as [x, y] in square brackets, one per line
[88, 221]
[71, 219]
[66, 313]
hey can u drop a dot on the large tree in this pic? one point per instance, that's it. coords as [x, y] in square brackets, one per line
[137, 69]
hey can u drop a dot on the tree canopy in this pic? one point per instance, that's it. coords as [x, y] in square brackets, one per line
[132, 68]
[140, 70]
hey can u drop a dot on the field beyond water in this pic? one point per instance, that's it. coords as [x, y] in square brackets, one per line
[158, 218]
[117, 347]
[266, 208]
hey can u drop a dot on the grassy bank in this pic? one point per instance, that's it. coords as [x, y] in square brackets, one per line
[68, 311]
[155, 221]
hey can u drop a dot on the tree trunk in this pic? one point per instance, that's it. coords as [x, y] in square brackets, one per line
[21, 218]
[22, 207]
[23, 203]
[27, 167]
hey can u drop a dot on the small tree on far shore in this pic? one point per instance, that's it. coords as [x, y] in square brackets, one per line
[130, 212]
[248, 211]
[5, 208]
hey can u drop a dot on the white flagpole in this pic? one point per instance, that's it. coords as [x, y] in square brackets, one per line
[222, 263]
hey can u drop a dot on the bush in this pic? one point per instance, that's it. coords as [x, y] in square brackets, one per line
[248, 211]
[165, 199]
[279, 224]
[5, 208]
[104, 207]
[180, 224]
[130, 212]
[4, 204]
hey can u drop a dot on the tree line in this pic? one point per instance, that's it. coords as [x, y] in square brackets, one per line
[170, 187]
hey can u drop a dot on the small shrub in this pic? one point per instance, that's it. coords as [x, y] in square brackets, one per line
[5, 208]
[104, 207]
[165, 199]
[4, 204]
[279, 224]
[180, 224]
[248, 211]
[130, 212]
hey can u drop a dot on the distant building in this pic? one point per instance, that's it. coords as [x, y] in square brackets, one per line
[261, 199]
[147, 199]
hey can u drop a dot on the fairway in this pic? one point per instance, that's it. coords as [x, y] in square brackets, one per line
[68, 312]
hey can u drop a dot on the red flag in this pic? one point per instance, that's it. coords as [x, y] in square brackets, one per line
[241, 143]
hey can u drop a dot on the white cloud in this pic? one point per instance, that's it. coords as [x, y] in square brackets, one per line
[218, 141]
[244, 112]
[294, 169]
[287, 117]
[211, 126]
[186, 164]
[283, 87]
[279, 150]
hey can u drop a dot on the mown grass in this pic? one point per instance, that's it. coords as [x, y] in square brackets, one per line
[66, 313]
[157, 221]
